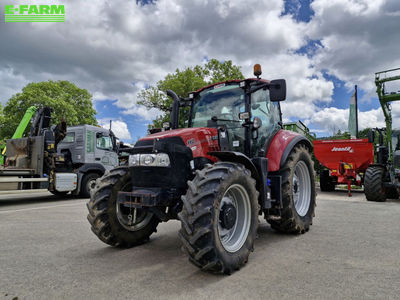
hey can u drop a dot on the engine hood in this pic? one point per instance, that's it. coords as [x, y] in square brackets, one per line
[200, 140]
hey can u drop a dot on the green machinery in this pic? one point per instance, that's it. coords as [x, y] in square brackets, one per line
[382, 179]
[30, 112]
[301, 128]
[385, 98]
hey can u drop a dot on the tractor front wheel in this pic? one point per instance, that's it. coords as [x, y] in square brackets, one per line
[113, 223]
[374, 189]
[298, 193]
[219, 218]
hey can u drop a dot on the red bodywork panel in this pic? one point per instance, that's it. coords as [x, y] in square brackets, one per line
[345, 158]
[203, 140]
[278, 145]
[200, 140]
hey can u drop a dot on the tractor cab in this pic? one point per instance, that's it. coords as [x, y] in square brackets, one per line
[244, 110]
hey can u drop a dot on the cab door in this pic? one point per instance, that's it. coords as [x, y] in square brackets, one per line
[268, 112]
[104, 152]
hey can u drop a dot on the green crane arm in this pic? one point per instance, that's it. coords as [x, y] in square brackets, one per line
[30, 112]
[385, 99]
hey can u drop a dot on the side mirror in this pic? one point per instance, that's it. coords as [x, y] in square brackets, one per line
[99, 135]
[371, 136]
[277, 90]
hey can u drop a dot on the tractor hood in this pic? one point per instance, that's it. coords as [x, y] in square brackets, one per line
[200, 140]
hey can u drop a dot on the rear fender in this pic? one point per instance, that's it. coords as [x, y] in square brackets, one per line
[281, 146]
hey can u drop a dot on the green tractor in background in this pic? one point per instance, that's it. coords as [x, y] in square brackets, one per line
[382, 179]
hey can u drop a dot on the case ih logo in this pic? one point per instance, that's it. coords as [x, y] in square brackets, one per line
[342, 149]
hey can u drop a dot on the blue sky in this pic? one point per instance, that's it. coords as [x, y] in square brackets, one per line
[115, 49]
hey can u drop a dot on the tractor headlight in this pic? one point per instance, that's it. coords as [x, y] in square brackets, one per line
[149, 160]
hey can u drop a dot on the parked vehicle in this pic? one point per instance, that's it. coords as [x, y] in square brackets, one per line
[231, 164]
[346, 162]
[58, 158]
[382, 177]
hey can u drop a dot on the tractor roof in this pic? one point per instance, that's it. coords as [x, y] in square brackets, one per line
[230, 81]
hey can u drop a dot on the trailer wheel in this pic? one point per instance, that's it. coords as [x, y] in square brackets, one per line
[219, 218]
[298, 193]
[109, 222]
[325, 181]
[373, 184]
[88, 183]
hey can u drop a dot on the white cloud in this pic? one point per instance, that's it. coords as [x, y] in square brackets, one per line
[114, 49]
[359, 38]
[120, 128]
[331, 119]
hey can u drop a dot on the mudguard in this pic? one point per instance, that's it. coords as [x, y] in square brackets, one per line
[237, 157]
[95, 168]
[280, 147]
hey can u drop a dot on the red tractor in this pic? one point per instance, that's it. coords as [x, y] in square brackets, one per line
[231, 163]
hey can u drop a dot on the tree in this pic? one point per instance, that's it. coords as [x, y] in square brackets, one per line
[182, 82]
[65, 98]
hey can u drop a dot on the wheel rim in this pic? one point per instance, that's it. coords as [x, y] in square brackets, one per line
[91, 184]
[234, 218]
[301, 187]
[132, 219]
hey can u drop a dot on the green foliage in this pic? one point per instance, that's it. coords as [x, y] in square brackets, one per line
[363, 134]
[67, 100]
[182, 82]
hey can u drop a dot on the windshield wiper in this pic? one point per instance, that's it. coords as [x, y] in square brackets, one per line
[215, 119]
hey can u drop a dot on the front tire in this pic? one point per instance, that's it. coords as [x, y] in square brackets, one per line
[373, 184]
[219, 218]
[298, 193]
[109, 222]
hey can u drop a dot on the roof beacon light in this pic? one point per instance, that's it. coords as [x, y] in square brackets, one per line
[257, 70]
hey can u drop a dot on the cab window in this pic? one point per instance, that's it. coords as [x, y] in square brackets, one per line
[104, 142]
[69, 138]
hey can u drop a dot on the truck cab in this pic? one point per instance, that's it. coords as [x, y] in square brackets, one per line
[89, 151]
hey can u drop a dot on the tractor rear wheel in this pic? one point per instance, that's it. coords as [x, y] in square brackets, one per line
[219, 218]
[325, 181]
[113, 224]
[298, 193]
[374, 189]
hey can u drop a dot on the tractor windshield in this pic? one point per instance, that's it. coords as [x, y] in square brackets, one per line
[223, 102]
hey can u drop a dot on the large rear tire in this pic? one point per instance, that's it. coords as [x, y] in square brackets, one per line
[298, 193]
[325, 181]
[219, 218]
[374, 189]
[109, 221]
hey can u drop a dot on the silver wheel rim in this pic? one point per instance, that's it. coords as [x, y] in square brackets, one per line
[232, 239]
[91, 184]
[301, 187]
[132, 219]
